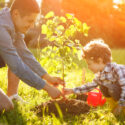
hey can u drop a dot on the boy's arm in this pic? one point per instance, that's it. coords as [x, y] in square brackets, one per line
[85, 88]
[122, 98]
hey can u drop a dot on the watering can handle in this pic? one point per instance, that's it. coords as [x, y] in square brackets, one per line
[98, 90]
[95, 89]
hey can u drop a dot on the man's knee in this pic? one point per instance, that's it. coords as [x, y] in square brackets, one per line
[5, 103]
[9, 106]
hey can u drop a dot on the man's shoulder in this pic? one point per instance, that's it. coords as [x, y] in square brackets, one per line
[5, 19]
[4, 12]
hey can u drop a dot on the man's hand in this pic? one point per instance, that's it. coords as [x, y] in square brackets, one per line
[53, 80]
[52, 91]
[117, 110]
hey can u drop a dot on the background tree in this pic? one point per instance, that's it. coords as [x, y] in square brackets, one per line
[2, 3]
[106, 19]
[9, 3]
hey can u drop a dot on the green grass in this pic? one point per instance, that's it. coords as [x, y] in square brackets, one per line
[22, 114]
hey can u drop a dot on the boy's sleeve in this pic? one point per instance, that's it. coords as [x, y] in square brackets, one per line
[121, 79]
[15, 63]
[28, 57]
[89, 86]
[85, 88]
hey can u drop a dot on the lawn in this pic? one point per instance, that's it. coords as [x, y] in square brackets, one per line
[23, 115]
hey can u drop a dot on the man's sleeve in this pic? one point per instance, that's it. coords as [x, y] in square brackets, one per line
[28, 57]
[15, 63]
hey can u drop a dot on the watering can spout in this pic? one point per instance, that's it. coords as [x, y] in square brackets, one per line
[103, 101]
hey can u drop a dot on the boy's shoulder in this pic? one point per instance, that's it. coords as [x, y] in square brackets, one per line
[113, 65]
[110, 71]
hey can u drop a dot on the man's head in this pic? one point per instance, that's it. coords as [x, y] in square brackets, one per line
[97, 55]
[24, 13]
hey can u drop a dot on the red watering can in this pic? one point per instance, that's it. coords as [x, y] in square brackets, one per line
[95, 98]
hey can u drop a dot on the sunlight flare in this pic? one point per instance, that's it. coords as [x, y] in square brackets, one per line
[39, 2]
[119, 1]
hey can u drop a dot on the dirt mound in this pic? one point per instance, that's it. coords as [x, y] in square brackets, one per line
[82, 97]
[68, 106]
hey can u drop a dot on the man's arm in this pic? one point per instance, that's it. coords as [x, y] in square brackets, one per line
[30, 60]
[13, 60]
[28, 57]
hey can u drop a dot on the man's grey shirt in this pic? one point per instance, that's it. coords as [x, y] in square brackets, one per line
[16, 55]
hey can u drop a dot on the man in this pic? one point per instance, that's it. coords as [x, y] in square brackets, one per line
[14, 22]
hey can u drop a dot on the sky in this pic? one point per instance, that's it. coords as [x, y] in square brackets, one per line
[115, 1]
[119, 1]
[39, 2]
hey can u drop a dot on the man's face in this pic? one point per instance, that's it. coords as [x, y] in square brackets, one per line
[23, 23]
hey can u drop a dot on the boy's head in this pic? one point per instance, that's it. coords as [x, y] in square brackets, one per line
[24, 13]
[97, 55]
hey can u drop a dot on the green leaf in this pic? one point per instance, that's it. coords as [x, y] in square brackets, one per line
[63, 19]
[77, 22]
[49, 22]
[59, 30]
[70, 31]
[44, 29]
[69, 16]
[85, 29]
[49, 15]
[52, 38]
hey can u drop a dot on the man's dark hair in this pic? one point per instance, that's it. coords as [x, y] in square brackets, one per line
[25, 7]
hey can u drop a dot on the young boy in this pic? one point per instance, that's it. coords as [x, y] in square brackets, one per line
[14, 23]
[110, 77]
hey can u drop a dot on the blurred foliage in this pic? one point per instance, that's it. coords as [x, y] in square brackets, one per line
[106, 19]
[51, 5]
[2, 3]
[10, 2]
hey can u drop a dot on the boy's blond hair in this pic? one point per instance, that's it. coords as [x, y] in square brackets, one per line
[97, 49]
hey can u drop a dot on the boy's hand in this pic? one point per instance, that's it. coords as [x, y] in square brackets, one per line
[67, 91]
[53, 92]
[53, 80]
[117, 110]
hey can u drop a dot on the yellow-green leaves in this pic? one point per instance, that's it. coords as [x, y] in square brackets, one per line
[62, 31]
[85, 29]
[49, 15]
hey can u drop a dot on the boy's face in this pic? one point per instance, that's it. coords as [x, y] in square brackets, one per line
[95, 66]
[23, 23]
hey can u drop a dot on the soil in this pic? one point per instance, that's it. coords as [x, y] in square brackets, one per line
[68, 106]
[82, 97]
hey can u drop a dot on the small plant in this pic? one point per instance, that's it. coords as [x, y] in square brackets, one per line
[61, 31]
